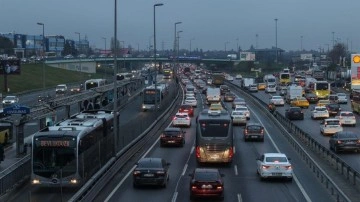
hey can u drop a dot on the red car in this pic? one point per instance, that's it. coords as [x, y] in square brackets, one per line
[185, 108]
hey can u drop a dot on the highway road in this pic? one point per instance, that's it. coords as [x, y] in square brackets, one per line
[241, 180]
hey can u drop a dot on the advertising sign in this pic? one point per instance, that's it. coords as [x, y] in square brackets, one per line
[307, 56]
[355, 71]
[247, 56]
[10, 66]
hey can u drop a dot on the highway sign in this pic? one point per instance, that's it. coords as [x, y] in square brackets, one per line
[17, 109]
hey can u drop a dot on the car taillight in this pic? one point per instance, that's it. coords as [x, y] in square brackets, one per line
[288, 167]
[231, 152]
[262, 131]
[339, 142]
[187, 118]
[198, 152]
[162, 135]
[174, 118]
[358, 141]
[265, 167]
[136, 173]
[219, 187]
[246, 132]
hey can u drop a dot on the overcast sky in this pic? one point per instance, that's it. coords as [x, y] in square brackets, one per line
[210, 23]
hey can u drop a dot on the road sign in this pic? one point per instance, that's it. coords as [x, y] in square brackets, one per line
[17, 109]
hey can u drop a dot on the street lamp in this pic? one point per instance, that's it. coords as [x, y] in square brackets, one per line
[115, 96]
[276, 51]
[178, 42]
[333, 40]
[105, 44]
[301, 43]
[155, 5]
[79, 51]
[43, 51]
[123, 42]
[190, 45]
[175, 42]
[225, 45]
[237, 45]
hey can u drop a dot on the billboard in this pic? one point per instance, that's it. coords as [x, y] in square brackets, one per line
[355, 71]
[247, 56]
[10, 66]
[307, 56]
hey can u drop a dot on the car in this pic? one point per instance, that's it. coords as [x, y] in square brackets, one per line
[322, 102]
[299, 102]
[333, 98]
[277, 100]
[181, 119]
[43, 98]
[229, 97]
[333, 108]
[206, 182]
[238, 76]
[330, 126]
[191, 101]
[311, 98]
[76, 89]
[319, 112]
[294, 113]
[224, 89]
[238, 118]
[68, 57]
[172, 136]
[270, 89]
[151, 171]
[274, 165]
[344, 140]
[189, 94]
[10, 100]
[215, 108]
[254, 131]
[347, 118]
[253, 88]
[243, 109]
[186, 108]
[61, 89]
[230, 78]
[342, 98]
[261, 86]
[238, 102]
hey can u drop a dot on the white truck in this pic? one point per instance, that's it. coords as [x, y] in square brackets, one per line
[213, 95]
[292, 92]
[246, 82]
[232, 56]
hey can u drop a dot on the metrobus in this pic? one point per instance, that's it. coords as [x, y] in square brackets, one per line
[214, 137]
[168, 73]
[355, 101]
[152, 96]
[72, 151]
[322, 89]
[94, 83]
[284, 78]
[218, 78]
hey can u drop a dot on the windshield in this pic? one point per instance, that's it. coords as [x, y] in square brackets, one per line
[276, 159]
[149, 96]
[206, 176]
[284, 76]
[214, 128]
[91, 85]
[322, 86]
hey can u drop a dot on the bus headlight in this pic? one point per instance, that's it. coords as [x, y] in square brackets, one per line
[35, 181]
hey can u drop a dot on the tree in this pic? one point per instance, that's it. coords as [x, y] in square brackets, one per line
[68, 49]
[112, 45]
[338, 51]
[6, 46]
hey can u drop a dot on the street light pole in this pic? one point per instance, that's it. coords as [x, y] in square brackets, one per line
[156, 96]
[123, 54]
[225, 46]
[115, 96]
[79, 51]
[175, 39]
[301, 43]
[190, 45]
[333, 39]
[43, 52]
[105, 55]
[276, 51]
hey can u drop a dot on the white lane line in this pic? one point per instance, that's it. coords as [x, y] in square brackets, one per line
[192, 150]
[236, 170]
[234, 149]
[239, 197]
[174, 197]
[184, 169]
[306, 196]
[127, 174]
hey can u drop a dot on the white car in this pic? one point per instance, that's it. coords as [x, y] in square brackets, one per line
[9, 100]
[320, 112]
[181, 119]
[274, 165]
[270, 89]
[277, 100]
[243, 109]
[238, 76]
[342, 98]
[330, 126]
[189, 94]
[347, 118]
[238, 118]
[191, 101]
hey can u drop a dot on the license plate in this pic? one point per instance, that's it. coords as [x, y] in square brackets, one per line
[277, 174]
[347, 121]
[214, 156]
[148, 175]
[253, 136]
[171, 141]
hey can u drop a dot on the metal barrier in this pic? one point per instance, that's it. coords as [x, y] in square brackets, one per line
[287, 126]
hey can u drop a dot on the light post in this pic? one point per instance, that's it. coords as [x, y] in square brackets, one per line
[105, 55]
[276, 51]
[175, 38]
[178, 42]
[190, 45]
[43, 51]
[155, 5]
[225, 46]
[301, 43]
[237, 45]
[115, 96]
[79, 51]
[333, 39]
[256, 42]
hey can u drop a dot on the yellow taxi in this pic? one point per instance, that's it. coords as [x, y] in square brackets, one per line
[300, 102]
[323, 102]
[215, 108]
[261, 86]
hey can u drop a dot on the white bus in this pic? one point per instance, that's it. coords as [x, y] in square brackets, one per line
[94, 83]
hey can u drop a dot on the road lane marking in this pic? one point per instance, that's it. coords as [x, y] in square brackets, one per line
[174, 197]
[236, 170]
[184, 169]
[239, 197]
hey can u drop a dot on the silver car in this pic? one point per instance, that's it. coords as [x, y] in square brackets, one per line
[274, 165]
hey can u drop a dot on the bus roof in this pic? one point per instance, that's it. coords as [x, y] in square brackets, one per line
[205, 115]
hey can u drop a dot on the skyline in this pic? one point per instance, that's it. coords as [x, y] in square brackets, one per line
[209, 25]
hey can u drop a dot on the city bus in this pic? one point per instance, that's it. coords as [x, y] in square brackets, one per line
[167, 73]
[94, 83]
[214, 137]
[72, 151]
[217, 78]
[152, 96]
[321, 89]
[284, 78]
[355, 101]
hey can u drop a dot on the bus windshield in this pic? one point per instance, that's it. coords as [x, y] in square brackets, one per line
[214, 128]
[90, 85]
[284, 76]
[149, 96]
[322, 86]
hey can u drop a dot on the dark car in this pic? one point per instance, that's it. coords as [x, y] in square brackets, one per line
[185, 108]
[44, 98]
[254, 131]
[344, 140]
[224, 89]
[311, 98]
[151, 171]
[172, 136]
[206, 182]
[294, 113]
[229, 97]
[333, 109]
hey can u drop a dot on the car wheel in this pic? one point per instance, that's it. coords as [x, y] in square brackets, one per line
[262, 140]
[336, 150]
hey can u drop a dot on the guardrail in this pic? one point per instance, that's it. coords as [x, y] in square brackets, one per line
[287, 126]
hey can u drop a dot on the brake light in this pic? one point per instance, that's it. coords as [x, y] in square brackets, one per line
[187, 118]
[219, 187]
[288, 167]
[265, 167]
[174, 118]
[231, 152]
[339, 142]
[136, 173]
[198, 155]
[262, 131]
[246, 132]
[358, 141]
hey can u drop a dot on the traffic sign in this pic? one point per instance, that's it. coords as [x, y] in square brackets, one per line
[17, 109]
